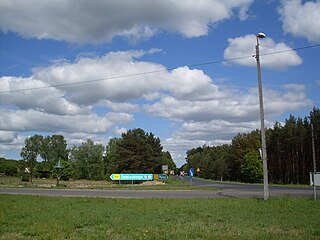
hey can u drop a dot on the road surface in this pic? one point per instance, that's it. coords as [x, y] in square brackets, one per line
[219, 190]
[237, 190]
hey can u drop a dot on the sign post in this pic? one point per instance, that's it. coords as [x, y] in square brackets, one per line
[191, 174]
[59, 166]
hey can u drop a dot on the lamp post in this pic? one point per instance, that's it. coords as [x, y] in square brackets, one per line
[59, 166]
[263, 134]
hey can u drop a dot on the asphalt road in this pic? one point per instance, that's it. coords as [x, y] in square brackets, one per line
[220, 190]
[237, 190]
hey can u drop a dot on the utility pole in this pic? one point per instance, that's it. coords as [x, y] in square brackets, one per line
[263, 135]
[314, 164]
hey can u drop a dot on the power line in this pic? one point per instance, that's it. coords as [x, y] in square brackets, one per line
[157, 71]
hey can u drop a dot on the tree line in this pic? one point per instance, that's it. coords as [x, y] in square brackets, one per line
[134, 152]
[289, 153]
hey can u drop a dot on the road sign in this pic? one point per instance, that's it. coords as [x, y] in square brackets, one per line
[165, 167]
[160, 176]
[316, 178]
[191, 172]
[198, 170]
[132, 177]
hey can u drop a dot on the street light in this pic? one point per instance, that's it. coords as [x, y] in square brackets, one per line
[263, 134]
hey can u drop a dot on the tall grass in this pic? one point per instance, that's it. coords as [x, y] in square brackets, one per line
[31, 217]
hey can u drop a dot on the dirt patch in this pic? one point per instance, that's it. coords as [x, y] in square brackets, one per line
[152, 183]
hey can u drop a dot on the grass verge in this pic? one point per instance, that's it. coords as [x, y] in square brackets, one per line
[35, 217]
[169, 184]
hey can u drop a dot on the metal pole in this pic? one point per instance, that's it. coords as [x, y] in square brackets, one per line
[314, 163]
[263, 135]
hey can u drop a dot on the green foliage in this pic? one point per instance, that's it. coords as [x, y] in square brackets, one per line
[66, 171]
[290, 149]
[30, 152]
[251, 168]
[54, 148]
[169, 161]
[212, 161]
[136, 152]
[87, 161]
[112, 156]
[10, 167]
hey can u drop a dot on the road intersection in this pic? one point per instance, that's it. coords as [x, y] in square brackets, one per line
[219, 190]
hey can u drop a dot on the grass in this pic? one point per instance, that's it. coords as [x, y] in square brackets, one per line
[35, 217]
[169, 184]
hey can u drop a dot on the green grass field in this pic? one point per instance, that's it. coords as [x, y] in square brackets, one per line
[31, 217]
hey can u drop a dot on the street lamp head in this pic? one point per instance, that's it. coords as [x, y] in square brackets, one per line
[261, 35]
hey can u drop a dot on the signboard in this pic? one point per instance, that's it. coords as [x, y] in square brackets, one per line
[316, 179]
[160, 176]
[132, 177]
[191, 172]
[165, 167]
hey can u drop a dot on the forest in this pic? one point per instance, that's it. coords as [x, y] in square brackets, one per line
[289, 155]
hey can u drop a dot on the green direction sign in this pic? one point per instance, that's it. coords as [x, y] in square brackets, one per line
[132, 177]
[160, 176]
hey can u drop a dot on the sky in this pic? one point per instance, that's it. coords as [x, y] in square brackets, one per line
[183, 70]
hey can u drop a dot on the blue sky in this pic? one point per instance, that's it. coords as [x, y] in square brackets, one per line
[144, 54]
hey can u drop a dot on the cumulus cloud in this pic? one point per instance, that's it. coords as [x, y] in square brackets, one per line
[244, 46]
[238, 108]
[99, 21]
[114, 76]
[301, 19]
[31, 120]
[49, 100]
[6, 136]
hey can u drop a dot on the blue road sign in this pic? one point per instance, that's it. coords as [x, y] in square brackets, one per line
[129, 177]
[191, 172]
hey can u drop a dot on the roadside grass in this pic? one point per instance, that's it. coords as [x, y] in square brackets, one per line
[169, 184]
[38, 217]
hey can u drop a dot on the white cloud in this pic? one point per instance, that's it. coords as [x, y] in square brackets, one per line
[101, 20]
[241, 107]
[244, 46]
[31, 120]
[119, 131]
[301, 19]
[49, 100]
[114, 76]
[6, 136]
[119, 106]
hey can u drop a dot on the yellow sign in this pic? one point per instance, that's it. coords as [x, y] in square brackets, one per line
[116, 176]
[198, 169]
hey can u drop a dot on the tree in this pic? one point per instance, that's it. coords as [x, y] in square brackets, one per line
[168, 160]
[30, 152]
[111, 159]
[251, 168]
[66, 171]
[9, 167]
[53, 149]
[240, 146]
[135, 152]
[212, 161]
[87, 161]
